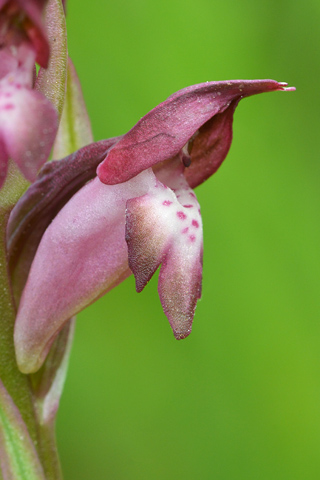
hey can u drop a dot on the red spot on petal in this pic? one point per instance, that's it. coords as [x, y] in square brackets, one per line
[185, 230]
[18, 86]
[192, 238]
[181, 215]
[188, 206]
[195, 223]
[8, 94]
[166, 203]
[192, 195]
[8, 106]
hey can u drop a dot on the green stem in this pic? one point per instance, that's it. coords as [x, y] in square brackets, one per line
[17, 384]
[48, 452]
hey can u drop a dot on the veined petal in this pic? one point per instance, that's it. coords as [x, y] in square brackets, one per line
[81, 256]
[164, 227]
[164, 131]
[74, 130]
[51, 80]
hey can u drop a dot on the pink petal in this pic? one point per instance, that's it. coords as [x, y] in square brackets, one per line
[28, 125]
[56, 183]
[163, 132]
[8, 62]
[82, 255]
[148, 233]
[164, 226]
[179, 289]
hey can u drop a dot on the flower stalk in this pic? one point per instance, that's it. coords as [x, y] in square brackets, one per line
[16, 384]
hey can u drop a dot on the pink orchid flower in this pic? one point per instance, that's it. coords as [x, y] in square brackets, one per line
[140, 212]
[21, 22]
[28, 120]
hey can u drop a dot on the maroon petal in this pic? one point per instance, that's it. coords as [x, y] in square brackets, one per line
[3, 163]
[164, 131]
[35, 29]
[210, 146]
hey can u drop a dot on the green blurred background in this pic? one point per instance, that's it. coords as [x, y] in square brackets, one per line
[240, 398]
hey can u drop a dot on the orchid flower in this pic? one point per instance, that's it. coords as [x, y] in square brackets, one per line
[138, 213]
[21, 22]
[28, 120]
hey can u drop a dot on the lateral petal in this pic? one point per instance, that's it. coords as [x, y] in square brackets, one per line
[210, 146]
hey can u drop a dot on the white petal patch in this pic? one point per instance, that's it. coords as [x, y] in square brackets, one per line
[164, 227]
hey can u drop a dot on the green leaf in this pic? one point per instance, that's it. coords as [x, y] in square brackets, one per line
[18, 457]
[75, 129]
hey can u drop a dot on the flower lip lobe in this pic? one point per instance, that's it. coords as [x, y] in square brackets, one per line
[155, 237]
